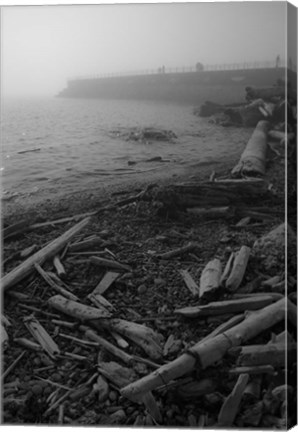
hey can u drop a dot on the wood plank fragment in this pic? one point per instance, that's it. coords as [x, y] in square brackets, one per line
[227, 269]
[108, 279]
[102, 262]
[226, 306]
[210, 277]
[231, 404]
[189, 282]
[239, 266]
[212, 212]
[42, 336]
[50, 250]
[253, 370]
[28, 251]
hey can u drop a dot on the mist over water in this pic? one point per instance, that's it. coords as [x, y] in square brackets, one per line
[76, 145]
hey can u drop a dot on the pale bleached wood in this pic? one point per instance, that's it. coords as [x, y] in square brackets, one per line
[253, 159]
[189, 282]
[238, 270]
[87, 244]
[210, 277]
[77, 310]
[59, 267]
[108, 279]
[226, 307]
[50, 250]
[210, 351]
[231, 404]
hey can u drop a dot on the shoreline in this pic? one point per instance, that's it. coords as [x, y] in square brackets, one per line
[60, 204]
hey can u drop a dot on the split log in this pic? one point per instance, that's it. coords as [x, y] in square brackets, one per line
[53, 284]
[42, 337]
[239, 266]
[108, 279]
[213, 212]
[225, 307]
[210, 351]
[189, 282]
[59, 267]
[50, 250]
[253, 159]
[77, 310]
[210, 277]
[231, 404]
[168, 255]
[102, 262]
[274, 354]
[227, 269]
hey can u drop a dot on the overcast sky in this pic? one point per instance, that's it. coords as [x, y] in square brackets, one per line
[42, 46]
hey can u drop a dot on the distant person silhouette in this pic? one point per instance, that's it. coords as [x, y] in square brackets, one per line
[277, 61]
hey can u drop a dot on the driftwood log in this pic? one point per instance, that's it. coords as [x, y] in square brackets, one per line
[253, 159]
[210, 277]
[210, 351]
[50, 250]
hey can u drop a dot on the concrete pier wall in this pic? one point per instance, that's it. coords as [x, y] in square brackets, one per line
[188, 87]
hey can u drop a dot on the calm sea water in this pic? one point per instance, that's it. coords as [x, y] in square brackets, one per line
[76, 148]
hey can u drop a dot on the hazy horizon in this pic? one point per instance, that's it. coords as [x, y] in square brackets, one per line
[43, 46]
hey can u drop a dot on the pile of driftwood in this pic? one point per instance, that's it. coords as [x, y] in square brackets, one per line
[250, 310]
[268, 104]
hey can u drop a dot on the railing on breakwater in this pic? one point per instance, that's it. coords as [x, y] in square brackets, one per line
[206, 68]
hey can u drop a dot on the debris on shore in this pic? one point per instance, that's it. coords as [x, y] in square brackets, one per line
[164, 308]
[144, 135]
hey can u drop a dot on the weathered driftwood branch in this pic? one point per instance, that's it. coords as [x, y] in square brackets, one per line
[239, 266]
[77, 310]
[102, 262]
[168, 255]
[211, 351]
[90, 334]
[86, 244]
[253, 159]
[53, 284]
[189, 282]
[210, 277]
[226, 307]
[50, 250]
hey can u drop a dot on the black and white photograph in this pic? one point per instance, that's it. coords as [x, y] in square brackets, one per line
[149, 215]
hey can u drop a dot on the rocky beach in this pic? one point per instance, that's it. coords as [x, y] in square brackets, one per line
[158, 302]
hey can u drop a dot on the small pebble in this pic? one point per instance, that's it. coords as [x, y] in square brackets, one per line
[37, 389]
[56, 377]
[142, 289]
[113, 396]
[37, 361]
[47, 391]
[159, 282]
